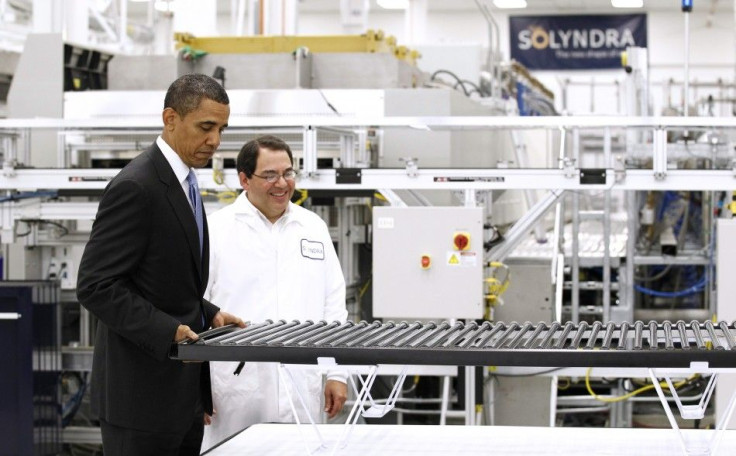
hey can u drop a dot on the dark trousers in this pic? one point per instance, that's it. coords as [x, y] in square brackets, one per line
[118, 441]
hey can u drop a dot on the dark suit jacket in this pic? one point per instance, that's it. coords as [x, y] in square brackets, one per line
[141, 276]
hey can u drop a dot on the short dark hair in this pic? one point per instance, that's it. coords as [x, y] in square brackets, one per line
[185, 94]
[248, 156]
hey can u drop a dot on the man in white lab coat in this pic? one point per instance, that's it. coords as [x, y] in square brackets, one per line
[270, 259]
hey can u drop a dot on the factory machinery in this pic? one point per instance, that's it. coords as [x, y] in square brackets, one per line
[472, 344]
[430, 196]
[664, 349]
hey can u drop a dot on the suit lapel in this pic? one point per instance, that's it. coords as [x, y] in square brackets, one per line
[179, 204]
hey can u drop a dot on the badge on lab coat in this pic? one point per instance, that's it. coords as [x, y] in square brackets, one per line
[314, 250]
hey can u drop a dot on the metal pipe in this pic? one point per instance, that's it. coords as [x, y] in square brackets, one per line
[380, 335]
[286, 329]
[530, 341]
[727, 333]
[653, 342]
[493, 45]
[437, 330]
[397, 337]
[575, 256]
[333, 335]
[248, 330]
[274, 329]
[684, 341]
[296, 332]
[713, 337]
[517, 339]
[501, 341]
[407, 343]
[632, 227]
[623, 335]
[594, 334]
[496, 328]
[550, 334]
[520, 230]
[686, 93]
[610, 327]
[391, 335]
[330, 329]
[472, 339]
[695, 326]
[668, 343]
[318, 327]
[443, 338]
[458, 337]
[123, 30]
[562, 411]
[606, 317]
[359, 328]
[370, 331]
[563, 337]
[638, 331]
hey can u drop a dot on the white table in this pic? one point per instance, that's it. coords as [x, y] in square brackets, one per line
[389, 440]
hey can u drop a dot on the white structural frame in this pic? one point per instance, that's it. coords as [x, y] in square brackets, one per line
[364, 404]
[566, 177]
[695, 411]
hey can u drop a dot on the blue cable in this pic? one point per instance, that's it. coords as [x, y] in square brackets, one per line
[697, 288]
[26, 195]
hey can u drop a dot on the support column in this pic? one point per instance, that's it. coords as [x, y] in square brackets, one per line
[75, 17]
[273, 17]
[47, 16]
[122, 25]
[726, 309]
[415, 22]
[198, 17]
[280, 17]
[237, 16]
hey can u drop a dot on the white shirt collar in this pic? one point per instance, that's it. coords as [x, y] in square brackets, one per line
[181, 170]
[244, 206]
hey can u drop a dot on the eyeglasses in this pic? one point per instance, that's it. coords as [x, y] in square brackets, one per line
[272, 177]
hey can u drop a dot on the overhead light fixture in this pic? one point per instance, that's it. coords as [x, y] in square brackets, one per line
[165, 6]
[627, 3]
[509, 4]
[394, 4]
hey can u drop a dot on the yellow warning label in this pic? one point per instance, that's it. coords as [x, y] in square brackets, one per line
[454, 260]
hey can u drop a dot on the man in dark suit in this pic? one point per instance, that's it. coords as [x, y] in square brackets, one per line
[143, 275]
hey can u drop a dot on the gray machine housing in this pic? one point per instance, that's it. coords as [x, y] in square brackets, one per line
[451, 287]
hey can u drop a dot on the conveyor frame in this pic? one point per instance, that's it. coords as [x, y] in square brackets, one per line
[651, 345]
[665, 349]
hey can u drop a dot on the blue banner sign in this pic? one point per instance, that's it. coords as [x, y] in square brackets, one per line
[575, 42]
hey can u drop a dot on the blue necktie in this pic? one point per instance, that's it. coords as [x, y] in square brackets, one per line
[196, 200]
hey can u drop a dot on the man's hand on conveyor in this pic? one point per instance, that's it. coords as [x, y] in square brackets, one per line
[184, 332]
[223, 318]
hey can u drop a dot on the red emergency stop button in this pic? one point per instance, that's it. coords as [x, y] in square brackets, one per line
[426, 261]
[461, 241]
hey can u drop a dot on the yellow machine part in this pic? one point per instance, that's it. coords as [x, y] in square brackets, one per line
[369, 42]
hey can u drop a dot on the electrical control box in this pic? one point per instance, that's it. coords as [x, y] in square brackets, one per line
[428, 262]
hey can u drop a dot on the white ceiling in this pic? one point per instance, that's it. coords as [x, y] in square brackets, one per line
[534, 6]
